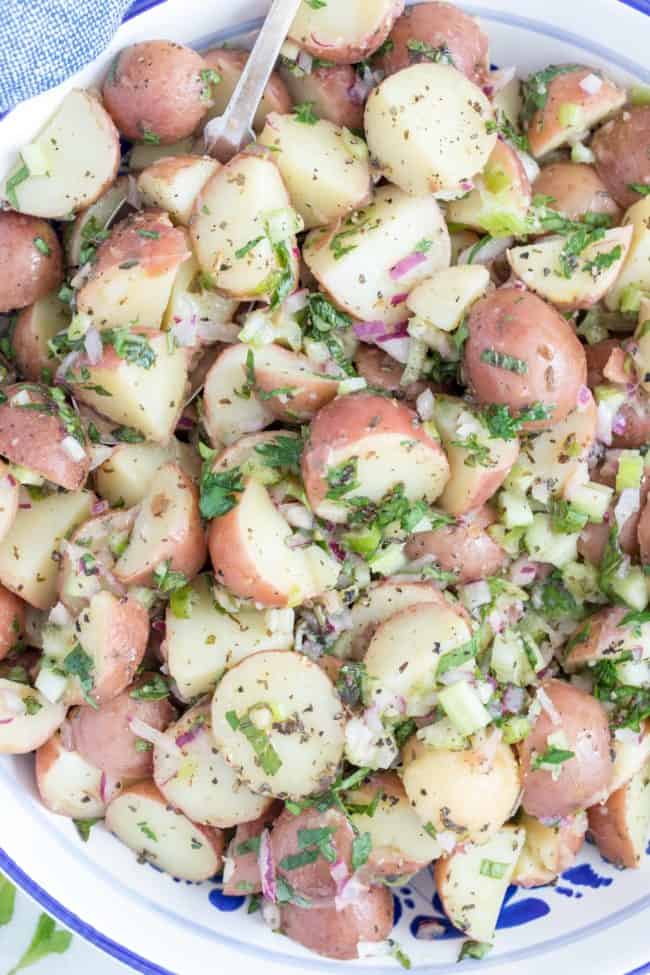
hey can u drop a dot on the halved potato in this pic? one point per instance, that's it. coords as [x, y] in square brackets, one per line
[227, 412]
[200, 646]
[35, 326]
[444, 298]
[548, 850]
[300, 387]
[572, 106]
[89, 557]
[241, 867]
[604, 637]
[501, 197]
[31, 260]
[173, 184]
[635, 275]
[29, 552]
[67, 784]
[343, 934]
[344, 31]
[472, 882]
[147, 399]
[229, 64]
[132, 277]
[79, 153]
[575, 189]
[557, 458]
[371, 262]
[194, 778]
[9, 499]
[229, 229]
[621, 150]
[540, 266]
[365, 445]
[251, 555]
[464, 548]
[190, 300]
[129, 472]
[620, 826]
[27, 718]
[142, 819]
[291, 700]
[167, 530]
[325, 167]
[478, 462]
[331, 89]
[403, 655]
[94, 219]
[427, 128]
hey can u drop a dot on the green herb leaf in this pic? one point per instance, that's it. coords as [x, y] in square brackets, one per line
[305, 113]
[251, 845]
[180, 602]
[220, 492]
[457, 657]
[342, 479]
[478, 454]
[293, 861]
[350, 682]
[130, 346]
[258, 740]
[425, 52]
[423, 246]
[149, 137]
[254, 903]
[566, 518]
[361, 850]
[18, 177]
[552, 756]
[84, 826]
[603, 260]
[283, 453]
[47, 940]
[166, 580]
[148, 832]
[143, 746]
[287, 895]
[534, 90]
[316, 4]
[503, 426]
[403, 731]
[127, 435]
[501, 360]
[642, 188]
[248, 247]
[80, 665]
[474, 949]
[149, 234]
[155, 689]
[7, 900]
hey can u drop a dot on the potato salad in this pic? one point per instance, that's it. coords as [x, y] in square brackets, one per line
[324, 531]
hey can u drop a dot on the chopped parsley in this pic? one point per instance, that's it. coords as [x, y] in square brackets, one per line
[84, 826]
[534, 90]
[350, 682]
[46, 940]
[149, 234]
[285, 894]
[167, 580]
[421, 51]
[342, 479]
[305, 113]
[79, 664]
[130, 346]
[92, 235]
[148, 832]
[282, 453]
[361, 850]
[127, 435]
[150, 137]
[501, 360]
[180, 602]
[251, 845]
[642, 188]
[155, 689]
[248, 247]
[566, 518]
[493, 869]
[312, 844]
[478, 455]
[403, 731]
[503, 426]
[18, 177]
[220, 492]
[603, 261]
[42, 247]
[474, 949]
[269, 759]
[209, 77]
[316, 4]
[457, 657]
[552, 756]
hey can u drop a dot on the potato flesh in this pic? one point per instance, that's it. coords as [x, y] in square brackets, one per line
[394, 826]
[179, 847]
[324, 178]
[403, 655]
[426, 126]
[187, 300]
[82, 150]
[636, 270]
[390, 229]
[201, 647]
[26, 732]
[72, 786]
[196, 779]
[228, 416]
[341, 25]
[444, 298]
[558, 456]
[27, 566]
[101, 212]
[175, 186]
[130, 471]
[313, 747]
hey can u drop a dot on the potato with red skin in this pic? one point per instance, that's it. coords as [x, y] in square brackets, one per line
[305, 387]
[464, 548]
[104, 736]
[40, 440]
[619, 826]
[604, 638]
[229, 64]
[548, 130]
[332, 92]
[643, 532]
[156, 88]
[241, 873]
[313, 880]
[634, 415]
[76, 583]
[67, 784]
[549, 358]
[12, 621]
[576, 189]
[28, 270]
[35, 326]
[383, 372]
[383, 440]
[549, 850]
[342, 31]
[439, 25]
[581, 780]
[337, 934]
[594, 537]
[622, 150]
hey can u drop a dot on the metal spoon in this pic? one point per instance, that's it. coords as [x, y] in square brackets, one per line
[226, 135]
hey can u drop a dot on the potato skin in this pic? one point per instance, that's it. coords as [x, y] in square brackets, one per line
[464, 547]
[243, 876]
[633, 415]
[27, 274]
[314, 880]
[438, 25]
[12, 620]
[519, 324]
[603, 638]
[622, 150]
[644, 533]
[156, 87]
[583, 779]
[332, 92]
[104, 738]
[610, 826]
[576, 189]
[336, 934]
[346, 50]
[276, 98]
[382, 371]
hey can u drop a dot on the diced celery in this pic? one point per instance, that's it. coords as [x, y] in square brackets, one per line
[582, 154]
[146, 597]
[351, 385]
[506, 659]
[519, 479]
[631, 588]
[581, 579]
[281, 224]
[364, 541]
[545, 545]
[464, 708]
[51, 683]
[388, 561]
[630, 470]
[495, 179]
[508, 539]
[570, 115]
[639, 95]
[592, 499]
[630, 299]
[517, 512]
[416, 359]
[515, 729]
[442, 734]
[25, 476]
[593, 327]
[79, 326]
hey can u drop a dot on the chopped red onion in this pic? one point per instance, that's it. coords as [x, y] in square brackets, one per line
[398, 299]
[619, 424]
[351, 892]
[73, 448]
[185, 332]
[584, 397]
[396, 347]
[99, 507]
[628, 736]
[424, 405]
[267, 867]
[93, 345]
[628, 504]
[548, 706]
[296, 302]
[305, 62]
[407, 264]
[513, 699]
[369, 331]
[67, 363]
[271, 915]
[133, 197]
[67, 738]
[159, 626]
[189, 735]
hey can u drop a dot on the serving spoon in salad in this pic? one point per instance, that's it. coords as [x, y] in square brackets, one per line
[226, 135]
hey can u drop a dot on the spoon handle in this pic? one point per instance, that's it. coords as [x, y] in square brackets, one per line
[225, 136]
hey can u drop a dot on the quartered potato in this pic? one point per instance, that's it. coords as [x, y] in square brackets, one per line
[228, 64]
[344, 32]
[28, 720]
[620, 826]
[67, 784]
[173, 184]
[35, 326]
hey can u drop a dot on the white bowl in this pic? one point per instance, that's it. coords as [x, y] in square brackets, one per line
[594, 920]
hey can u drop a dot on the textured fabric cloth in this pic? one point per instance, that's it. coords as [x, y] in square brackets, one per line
[43, 42]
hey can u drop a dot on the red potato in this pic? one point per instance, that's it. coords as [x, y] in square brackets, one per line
[244, 454]
[227, 416]
[12, 621]
[105, 739]
[344, 31]
[141, 818]
[570, 109]
[501, 197]
[339, 934]
[385, 444]
[548, 850]
[304, 388]
[313, 880]
[644, 533]
[167, 530]
[173, 183]
[31, 260]
[604, 637]
[633, 418]
[622, 150]
[593, 538]
[620, 826]
[629, 757]
[27, 718]
[67, 784]
[132, 277]
[251, 556]
[9, 499]
[576, 189]
[464, 548]
[89, 558]
[229, 64]
[332, 91]
[113, 633]
[383, 372]
[40, 439]
[435, 26]
[241, 869]
[581, 780]
[549, 357]
[35, 326]
[154, 91]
